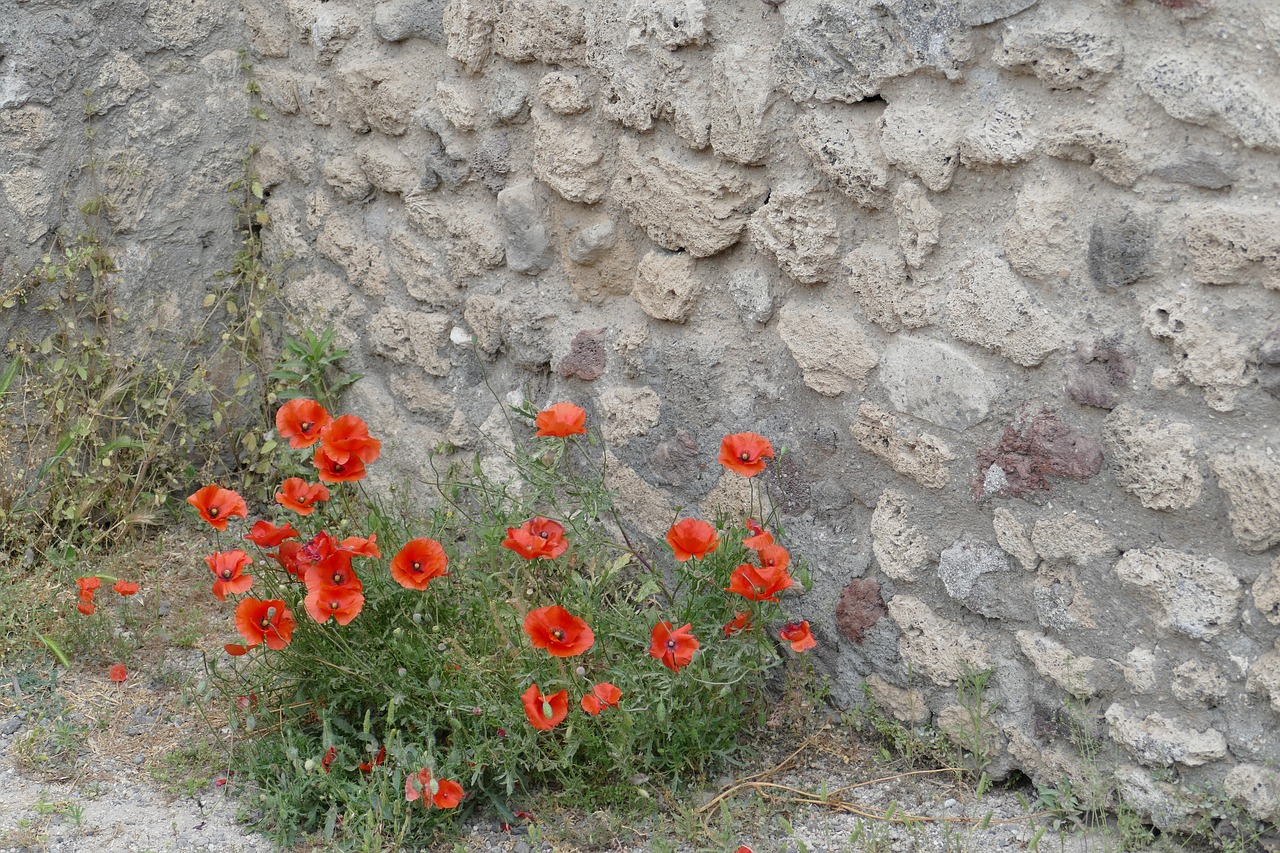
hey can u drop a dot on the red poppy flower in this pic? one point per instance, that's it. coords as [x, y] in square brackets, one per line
[367, 766]
[330, 756]
[758, 584]
[267, 622]
[301, 421]
[537, 537]
[797, 634]
[692, 538]
[332, 569]
[298, 495]
[774, 557]
[545, 712]
[347, 438]
[361, 547]
[117, 673]
[739, 622]
[443, 793]
[745, 452]
[264, 534]
[674, 647]
[603, 695]
[759, 536]
[332, 471]
[218, 505]
[289, 556]
[86, 606]
[88, 585]
[235, 650]
[561, 421]
[341, 603]
[125, 587]
[558, 631]
[228, 569]
[419, 562]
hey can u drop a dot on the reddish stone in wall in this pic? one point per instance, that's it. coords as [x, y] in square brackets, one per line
[1032, 449]
[860, 608]
[586, 358]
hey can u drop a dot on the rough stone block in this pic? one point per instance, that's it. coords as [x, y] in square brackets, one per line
[1204, 354]
[846, 149]
[269, 31]
[1100, 371]
[900, 549]
[937, 648]
[388, 169]
[989, 307]
[918, 223]
[1060, 601]
[1266, 593]
[1152, 460]
[568, 158]
[1204, 169]
[1264, 677]
[331, 30]
[424, 269]
[975, 13]
[667, 286]
[459, 103]
[592, 243]
[506, 98]
[346, 177]
[468, 31]
[587, 356]
[1155, 739]
[1141, 671]
[798, 229]
[835, 352]
[1032, 448]
[920, 457]
[418, 338]
[978, 575]
[563, 94]
[475, 245]
[1045, 235]
[486, 315]
[1004, 136]
[1203, 90]
[377, 97]
[682, 202]
[1064, 57]
[628, 413]
[1230, 245]
[1068, 539]
[1075, 674]
[668, 24]
[528, 249]
[180, 25]
[550, 31]
[345, 243]
[398, 20]
[490, 161]
[1120, 247]
[1251, 481]
[1012, 538]
[936, 382]
[1198, 684]
[741, 91]
[1197, 596]
[888, 296]
[1257, 787]
[750, 290]
[1103, 144]
[921, 139]
[903, 704]
[846, 52]
[859, 610]
[118, 80]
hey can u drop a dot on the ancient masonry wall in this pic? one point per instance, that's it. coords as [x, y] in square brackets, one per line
[1003, 276]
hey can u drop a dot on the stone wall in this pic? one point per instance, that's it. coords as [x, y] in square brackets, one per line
[1001, 275]
[136, 109]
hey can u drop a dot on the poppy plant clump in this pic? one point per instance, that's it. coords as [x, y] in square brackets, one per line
[479, 590]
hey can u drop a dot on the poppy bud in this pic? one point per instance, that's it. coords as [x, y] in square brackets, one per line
[546, 709]
[397, 632]
[402, 672]
[309, 765]
[581, 672]
[477, 712]
[417, 618]
[443, 647]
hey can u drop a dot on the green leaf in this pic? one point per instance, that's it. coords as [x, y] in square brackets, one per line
[256, 189]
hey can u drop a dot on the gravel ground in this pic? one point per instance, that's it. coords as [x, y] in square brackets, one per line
[106, 800]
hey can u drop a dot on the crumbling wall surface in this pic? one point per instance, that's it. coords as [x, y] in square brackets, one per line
[1003, 276]
[122, 121]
